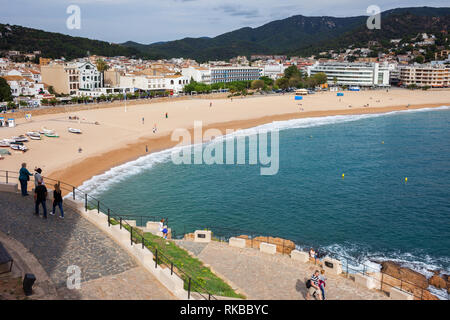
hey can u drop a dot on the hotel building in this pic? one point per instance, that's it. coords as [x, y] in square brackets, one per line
[229, 74]
[437, 75]
[353, 74]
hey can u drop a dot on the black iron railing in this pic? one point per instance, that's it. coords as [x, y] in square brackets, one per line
[136, 234]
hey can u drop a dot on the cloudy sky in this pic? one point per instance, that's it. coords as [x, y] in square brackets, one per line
[148, 21]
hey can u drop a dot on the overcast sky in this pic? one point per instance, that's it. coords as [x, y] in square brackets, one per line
[148, 21]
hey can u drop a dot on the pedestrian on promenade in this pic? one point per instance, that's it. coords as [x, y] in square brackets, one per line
[57, 201]
[313, 289]
[24, 177]
[40, 197]
[163, 229]
[322, 284]
[38, 177]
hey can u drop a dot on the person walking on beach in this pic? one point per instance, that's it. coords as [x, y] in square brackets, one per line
[167, 115]
[314, 290]
[322, 283]
[24, 177]
[210, 104]
[57, 201]
[163, 229]
[40, 197]
[142, 120]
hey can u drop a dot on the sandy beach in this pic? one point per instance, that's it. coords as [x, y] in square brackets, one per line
[121, 135]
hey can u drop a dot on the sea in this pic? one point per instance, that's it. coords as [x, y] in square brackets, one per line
[368, 188]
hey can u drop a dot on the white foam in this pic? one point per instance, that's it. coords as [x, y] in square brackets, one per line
[100, 183]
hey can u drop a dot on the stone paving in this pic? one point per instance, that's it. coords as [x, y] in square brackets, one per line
[59, 243]
[136, 284]
[263, 276]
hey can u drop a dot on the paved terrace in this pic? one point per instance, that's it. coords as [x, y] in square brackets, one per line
[107, 271]
[264, 277]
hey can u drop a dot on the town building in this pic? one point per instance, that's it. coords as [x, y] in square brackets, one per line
[199, 74]
[229, 74]
[353, 74]
[68, 78]
[422, 75]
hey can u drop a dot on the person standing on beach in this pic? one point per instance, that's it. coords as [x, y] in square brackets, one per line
[40, 197]
[167, 115]
[210, 104]
[57, 201]
[24, 177]
[142, 120]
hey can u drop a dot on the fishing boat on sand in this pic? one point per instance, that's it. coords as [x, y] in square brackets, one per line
[18, 147]
[44, 130]
[51, 135]
[34, 135]
[73, 130]
[20, 138]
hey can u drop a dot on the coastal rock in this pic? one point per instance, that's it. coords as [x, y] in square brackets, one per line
[438, 282]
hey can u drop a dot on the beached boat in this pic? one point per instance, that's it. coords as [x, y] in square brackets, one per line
[73, 130]
[20, 138]
[18, 147]
[34, 135]
[51, 135]
[44, 130]
[4, 143]
[16, 143]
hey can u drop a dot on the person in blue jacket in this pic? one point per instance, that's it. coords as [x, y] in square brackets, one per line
[24, 177]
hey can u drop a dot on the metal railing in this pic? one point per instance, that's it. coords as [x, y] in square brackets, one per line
[137, 235]
[383, 281]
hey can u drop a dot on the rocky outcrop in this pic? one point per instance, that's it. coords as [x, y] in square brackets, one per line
[409, 280]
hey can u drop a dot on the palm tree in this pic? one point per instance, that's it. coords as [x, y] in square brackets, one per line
[102, 66]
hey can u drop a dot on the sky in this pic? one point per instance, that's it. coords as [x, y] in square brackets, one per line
[149, 21]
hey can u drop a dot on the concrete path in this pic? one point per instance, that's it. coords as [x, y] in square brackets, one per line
[74, 241]
[264, 277]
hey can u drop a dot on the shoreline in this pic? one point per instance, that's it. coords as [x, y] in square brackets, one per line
[79, 172]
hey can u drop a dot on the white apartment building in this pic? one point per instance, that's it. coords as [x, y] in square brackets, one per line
[23, 86]
[229, 74]
[353, 74]
[273, 70]
[199, 74]
[172, 83]
[89, 77]
[437, 75]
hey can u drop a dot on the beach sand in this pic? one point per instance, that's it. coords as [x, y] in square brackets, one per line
[121, 136]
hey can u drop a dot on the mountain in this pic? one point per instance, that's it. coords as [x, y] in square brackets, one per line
[296, 35]
[300, 35]
[56, 45]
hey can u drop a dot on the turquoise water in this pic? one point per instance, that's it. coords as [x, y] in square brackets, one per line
[370, 214]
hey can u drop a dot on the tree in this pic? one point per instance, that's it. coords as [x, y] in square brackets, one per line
[257, 84]
[419, 59]
[267, 81]
[320, 77]
[5, 90]
[102, 66]
[294, 82]
[282, 83]
[51, 90]
[292, 71]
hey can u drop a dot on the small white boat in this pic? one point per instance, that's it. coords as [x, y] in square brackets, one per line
[44, 130]
[20, 138]
[4, 143]
[18, 147]
[34, 135]
[73, 130]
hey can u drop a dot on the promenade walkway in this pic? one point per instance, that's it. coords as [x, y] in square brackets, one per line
[107, 271]
[264, 277]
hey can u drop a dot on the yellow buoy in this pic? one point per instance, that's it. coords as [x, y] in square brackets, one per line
[343, 176]
[382, 142]
[406, 179]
